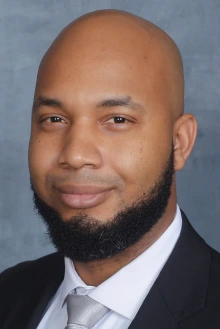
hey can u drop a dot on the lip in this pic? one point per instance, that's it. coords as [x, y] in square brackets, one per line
[83, 197]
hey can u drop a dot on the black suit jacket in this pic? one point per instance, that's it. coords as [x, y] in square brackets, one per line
[186, 294]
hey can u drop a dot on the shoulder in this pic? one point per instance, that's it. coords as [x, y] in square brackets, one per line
[208, 316]
[213, 291]
[214, 277]
[22, 287]
[30, 271]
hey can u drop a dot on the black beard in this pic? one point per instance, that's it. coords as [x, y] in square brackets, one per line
[85, 239]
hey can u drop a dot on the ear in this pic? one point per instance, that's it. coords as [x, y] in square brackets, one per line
[184, 136]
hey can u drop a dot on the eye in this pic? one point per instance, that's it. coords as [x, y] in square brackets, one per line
[118, 120]
[54, 119]
[52, 122]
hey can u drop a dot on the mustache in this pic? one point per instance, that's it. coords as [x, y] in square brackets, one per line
[84, 179]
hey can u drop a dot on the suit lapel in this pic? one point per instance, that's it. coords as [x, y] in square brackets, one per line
[184, 280]
[43, 303]
[181, 287]
[54, 273]
[154, 313]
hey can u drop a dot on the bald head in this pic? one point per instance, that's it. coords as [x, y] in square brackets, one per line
[119, 36]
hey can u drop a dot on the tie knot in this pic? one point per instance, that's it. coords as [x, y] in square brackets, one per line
[83, 311]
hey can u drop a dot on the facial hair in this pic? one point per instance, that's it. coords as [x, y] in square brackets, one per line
[84, 238]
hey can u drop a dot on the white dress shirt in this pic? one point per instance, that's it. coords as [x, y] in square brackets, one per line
[124, 292]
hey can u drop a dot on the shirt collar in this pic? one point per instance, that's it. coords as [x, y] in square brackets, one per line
[133, 281]
[71, 281]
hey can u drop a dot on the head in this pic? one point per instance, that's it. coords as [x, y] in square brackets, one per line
[108, 133]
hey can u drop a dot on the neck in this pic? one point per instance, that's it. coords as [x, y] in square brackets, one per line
[96, 272]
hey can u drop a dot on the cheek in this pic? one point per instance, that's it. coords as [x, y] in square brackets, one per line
[139, 162]
[134, 162]
[42, 158]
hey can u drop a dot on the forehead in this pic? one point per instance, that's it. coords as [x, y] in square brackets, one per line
[96, 63]
[92, 72]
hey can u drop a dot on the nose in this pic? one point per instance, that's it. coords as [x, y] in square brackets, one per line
[80, 148]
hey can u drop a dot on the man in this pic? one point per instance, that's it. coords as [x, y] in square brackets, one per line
[108, 134]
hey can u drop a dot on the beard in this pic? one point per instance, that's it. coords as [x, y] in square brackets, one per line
[84, 238]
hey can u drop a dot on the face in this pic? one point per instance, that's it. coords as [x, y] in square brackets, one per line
[101, 131]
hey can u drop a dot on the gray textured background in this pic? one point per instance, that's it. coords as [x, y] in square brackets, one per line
[26, 30]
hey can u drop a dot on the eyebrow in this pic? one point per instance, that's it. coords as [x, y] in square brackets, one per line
[46, 101]
[121, 101]
[110, 102]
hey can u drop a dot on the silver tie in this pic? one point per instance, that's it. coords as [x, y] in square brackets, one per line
[83, 311]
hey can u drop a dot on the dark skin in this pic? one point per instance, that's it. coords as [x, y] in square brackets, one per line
[106, 65]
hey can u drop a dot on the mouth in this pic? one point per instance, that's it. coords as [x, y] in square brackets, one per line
[83, 197]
